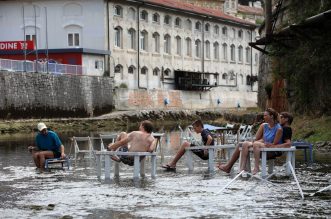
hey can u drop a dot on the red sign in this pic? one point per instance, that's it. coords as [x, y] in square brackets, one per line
[17, 45]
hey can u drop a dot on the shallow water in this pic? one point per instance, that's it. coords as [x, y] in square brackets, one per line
[78, 194]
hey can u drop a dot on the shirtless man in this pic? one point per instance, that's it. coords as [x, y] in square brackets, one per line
[136, 141]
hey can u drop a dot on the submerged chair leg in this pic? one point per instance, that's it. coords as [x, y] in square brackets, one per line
[189, 161]
[136, 167]
[142, 167]
[153, 166]
[211, 160]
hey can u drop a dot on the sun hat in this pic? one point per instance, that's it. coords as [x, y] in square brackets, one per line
[41, 126]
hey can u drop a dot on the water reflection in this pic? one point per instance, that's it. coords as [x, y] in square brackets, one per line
[77, 193]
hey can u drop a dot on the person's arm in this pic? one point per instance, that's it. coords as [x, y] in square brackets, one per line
[277, 138]
[118, 144]
[259, 133]
[62, 151]
[286, 144]
[209, 140]
[153, 145]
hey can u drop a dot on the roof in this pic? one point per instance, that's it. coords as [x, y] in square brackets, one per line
[218, 14]
[250, 10]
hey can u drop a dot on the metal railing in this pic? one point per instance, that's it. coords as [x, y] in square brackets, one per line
[42, 67]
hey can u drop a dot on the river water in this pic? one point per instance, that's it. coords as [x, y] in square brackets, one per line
[76, 193]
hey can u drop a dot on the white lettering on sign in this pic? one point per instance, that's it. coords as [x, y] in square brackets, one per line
[16, 45]
[8, 46]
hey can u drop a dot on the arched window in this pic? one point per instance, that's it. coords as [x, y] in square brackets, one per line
[216, 51]
[224, 76]
[240, 34]
[207, 27]
[118, 69]
[118, 11]
[233, 35]
[188, 47]
[178, 22]
[156, 18]
[167, 45]
[249, 36]
[167, 72]
[156, 40]
[167, 20]
[156, 71]
[225, 51]
[188, 24]
[132, 13]
[143, 40]
[132, 38]
[207, 49]
[131, 69]
[178, 45]
[225, 31]
[216, 30]
[233, 53]
[198, 48]
[198, 26]
[144, 70]
[144, 15]
[240, 54]
[118, 39]
[248, 55]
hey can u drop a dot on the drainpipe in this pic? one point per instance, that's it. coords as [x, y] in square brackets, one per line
[203, 48]
[138, 49]
[108, 43]
[251, 60]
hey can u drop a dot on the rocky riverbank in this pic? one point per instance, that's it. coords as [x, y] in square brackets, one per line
[120, 120]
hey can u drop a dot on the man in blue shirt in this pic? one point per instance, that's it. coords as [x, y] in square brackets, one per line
[48, 144]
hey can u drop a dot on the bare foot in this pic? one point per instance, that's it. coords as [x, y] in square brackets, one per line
[224, 168]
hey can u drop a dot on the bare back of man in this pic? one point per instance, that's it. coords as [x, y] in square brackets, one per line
[140, 141]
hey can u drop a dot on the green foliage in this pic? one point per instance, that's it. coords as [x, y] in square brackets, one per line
[123, 85]
[305, 61]
[312, 129]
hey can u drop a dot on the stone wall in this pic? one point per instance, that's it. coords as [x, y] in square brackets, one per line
[127, 99]
[26, 95]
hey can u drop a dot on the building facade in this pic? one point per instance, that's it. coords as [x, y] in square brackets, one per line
[151, 42]
[149, 45]
[68, 32]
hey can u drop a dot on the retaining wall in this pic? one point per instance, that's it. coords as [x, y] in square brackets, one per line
[217, 98]
[28, 95]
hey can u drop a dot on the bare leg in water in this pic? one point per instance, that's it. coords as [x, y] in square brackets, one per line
[228, 166]
[244, 155]
[257, 149]
[178, 155]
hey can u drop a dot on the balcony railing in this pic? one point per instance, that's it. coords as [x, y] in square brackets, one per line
[42, 67]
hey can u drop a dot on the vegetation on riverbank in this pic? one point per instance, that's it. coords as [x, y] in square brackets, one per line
[312, 129]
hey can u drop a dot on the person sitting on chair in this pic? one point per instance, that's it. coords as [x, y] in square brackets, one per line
[48, 145]
[136, 141]
[207, 139]
[270, 131]
[285, 120]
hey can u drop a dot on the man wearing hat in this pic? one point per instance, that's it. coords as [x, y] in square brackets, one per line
[48, 144]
